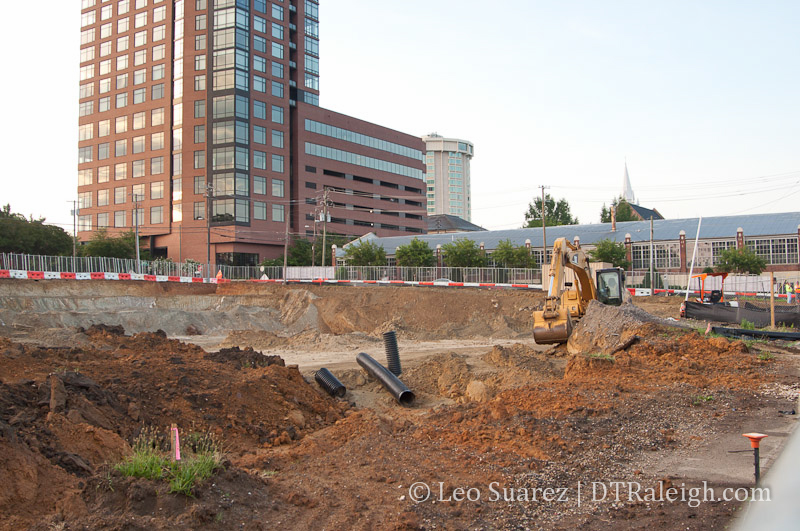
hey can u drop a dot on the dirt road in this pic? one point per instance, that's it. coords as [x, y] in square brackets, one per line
[503, 433]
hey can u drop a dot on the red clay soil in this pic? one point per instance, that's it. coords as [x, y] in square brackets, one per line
[298, 459]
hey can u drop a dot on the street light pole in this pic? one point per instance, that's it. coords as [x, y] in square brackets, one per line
[136, 199]
[74, 233]
[209, 194]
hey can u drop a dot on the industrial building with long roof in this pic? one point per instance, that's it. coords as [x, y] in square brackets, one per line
[774, 237]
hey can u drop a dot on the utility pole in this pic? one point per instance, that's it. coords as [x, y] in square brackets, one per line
[74, 233]
[209, 195]
[652, 272]
[285, 243]
[324, 223]
[544, 230]
[136, 199]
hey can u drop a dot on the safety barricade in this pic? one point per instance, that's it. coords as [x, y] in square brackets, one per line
[67, 276]
[52, 275]
[83, 276]
[124, 276]
[98, 276]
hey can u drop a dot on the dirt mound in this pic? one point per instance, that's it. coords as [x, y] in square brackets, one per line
[659, 354]
[605, 328]
[245, 358]
[65, 412]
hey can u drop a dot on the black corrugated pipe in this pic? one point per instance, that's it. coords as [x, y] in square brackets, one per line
[330, 383]
[392, 353]
[390, 382]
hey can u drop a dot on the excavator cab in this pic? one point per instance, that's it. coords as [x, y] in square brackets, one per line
[610, 283]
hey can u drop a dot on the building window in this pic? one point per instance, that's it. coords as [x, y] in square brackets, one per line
[277, 163]
[157, 141]
[85, 200]
[157, 116]
[200, 109]
[199, 160]
[102, 174]
[122, 100]
[86, 108]
[138, 144]
[85, 177]
[156, 215]
[277, 69]
[102, 220]
[137, 192]
[159, 33]
[139, 95]
[102, 198]
[120, 148]
[157, 91]
[103, 151]
[277, 139]
[120, 171]
[121, 124]
[277, 213]
[199, 210]
[259, 84]
[259, 210]
[122, 62]
[158, 72]
[119, 195]
[104, 104]
[277, 89]
[277, 114]
[259, 160]
[138, 168]
[157, 190]
[84, 154]
[156, 165]
[277, 31]
[84, 223]
[119, 219]
[199, 185]
[277, 187]
[259, 64]
[259, 185]
[199, 134]
[259, 134]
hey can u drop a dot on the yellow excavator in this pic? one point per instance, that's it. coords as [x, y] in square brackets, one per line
[566, 304]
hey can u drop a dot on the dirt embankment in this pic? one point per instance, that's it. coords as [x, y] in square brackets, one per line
[72, 400]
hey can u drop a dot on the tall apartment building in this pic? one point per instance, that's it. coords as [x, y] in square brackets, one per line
[447, 176]
[199, 121]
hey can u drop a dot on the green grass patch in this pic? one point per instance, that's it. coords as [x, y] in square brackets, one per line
[766, 356]
[747, 325]
[599, 356]
[152, 459]
[702, 399]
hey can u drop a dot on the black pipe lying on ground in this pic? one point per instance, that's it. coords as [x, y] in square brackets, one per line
[390, 382]
[330, 383]
[736, 333]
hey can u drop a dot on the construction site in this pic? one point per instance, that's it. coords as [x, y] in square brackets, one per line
[501, 432]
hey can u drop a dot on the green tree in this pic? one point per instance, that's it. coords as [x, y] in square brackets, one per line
[31, 236]
[506, 255]
[611, 252]
[463, 253]
[101, 244]
[740, 261]
[624, 212]
[365, 253]
[556, 213]
[416, 253]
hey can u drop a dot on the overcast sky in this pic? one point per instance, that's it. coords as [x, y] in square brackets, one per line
[700, 97]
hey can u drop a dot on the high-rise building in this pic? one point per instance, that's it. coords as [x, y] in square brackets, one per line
[447, 176]
[199, 121]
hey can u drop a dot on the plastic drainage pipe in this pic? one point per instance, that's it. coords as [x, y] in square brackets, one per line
[330, 383]
[390, 382]
[392, 353]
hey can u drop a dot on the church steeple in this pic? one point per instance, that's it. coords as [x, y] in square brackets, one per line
[627, 190]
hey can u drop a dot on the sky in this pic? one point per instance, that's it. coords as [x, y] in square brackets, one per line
[699, 98]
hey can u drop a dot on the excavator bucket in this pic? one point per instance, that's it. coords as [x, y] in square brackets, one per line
[550, 329]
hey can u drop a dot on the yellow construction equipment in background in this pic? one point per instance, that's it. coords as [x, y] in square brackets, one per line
[563, 306]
